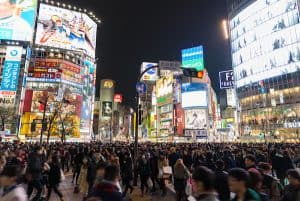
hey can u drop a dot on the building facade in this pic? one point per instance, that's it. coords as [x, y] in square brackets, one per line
[265, 46]
[48, 69]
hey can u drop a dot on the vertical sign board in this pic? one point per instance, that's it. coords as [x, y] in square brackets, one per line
[10, 75]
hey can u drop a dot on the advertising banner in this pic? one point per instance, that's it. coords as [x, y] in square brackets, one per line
[17, 19]
[67, 29]
[118, 98]
[106, 109]
[193, 58]
[10, 74]
[259, 55]
[194, 95]
[226, 79]
[196, 119]
[164, 90]
[7, 100]
[179, 119]
[150, 75]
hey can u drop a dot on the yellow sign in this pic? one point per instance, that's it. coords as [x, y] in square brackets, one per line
[108, 84]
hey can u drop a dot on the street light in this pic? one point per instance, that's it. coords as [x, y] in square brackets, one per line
[225, 29]
[136, 140]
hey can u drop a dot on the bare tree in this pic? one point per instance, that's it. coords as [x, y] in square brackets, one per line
[7, 115]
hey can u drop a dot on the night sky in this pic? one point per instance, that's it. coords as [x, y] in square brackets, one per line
[133, 31]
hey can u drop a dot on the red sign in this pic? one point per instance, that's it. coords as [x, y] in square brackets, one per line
[118, 98]
[179, 119]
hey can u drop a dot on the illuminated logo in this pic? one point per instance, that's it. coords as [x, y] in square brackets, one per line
[13, 53]
[108, 84]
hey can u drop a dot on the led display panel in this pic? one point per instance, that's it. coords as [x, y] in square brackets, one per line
[265, 40]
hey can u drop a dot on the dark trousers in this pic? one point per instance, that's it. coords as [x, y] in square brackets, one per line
[154, 180]
[162, 183]
[38, 186]
[144, 183]
[55, 188]
[127, 185]
[180, 195]
[76, 175]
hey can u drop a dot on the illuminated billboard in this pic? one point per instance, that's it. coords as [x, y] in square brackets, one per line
[265, 41]
[194, 95]
[196, 119]
[11, 69]
[164, 90]
[67, 29]
[193, 58]
[17, 19]
[151, 74]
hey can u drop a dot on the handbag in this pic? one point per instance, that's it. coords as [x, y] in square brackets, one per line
[149, 183]
[167, 170]
[62, 175]
[189, 188]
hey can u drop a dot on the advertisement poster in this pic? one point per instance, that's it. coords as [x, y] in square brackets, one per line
[179, 119]
[151, 74]
[38, 97]
[7, 100]
[268, 46]
[196, 119]
[67, 29]
[17, 19]
[106, 109]
[164, 86]
[10, 74]
[193, 58]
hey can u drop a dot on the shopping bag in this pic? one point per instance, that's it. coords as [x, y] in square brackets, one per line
[62, 175]
[188, 188]
[167, 170]
[149, 183]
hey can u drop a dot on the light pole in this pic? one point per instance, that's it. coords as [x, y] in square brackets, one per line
[136, 140]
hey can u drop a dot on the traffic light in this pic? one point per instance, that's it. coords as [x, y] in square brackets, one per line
[192, 72]
[33, 126]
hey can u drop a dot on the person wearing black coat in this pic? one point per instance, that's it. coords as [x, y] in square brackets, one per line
[221, 182]
[127, 175]
[144, 171]
[34, 173]
[54, 178]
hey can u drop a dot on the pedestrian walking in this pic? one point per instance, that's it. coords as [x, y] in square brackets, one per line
[54, 178]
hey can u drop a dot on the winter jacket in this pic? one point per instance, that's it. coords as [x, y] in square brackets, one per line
[107, 191]
[291, 193]
[17, 193]
[54, 174]
[250, 195]
[221, 185]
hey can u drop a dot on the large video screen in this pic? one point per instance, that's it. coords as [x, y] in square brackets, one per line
[67, 29]
[265, 40]
[194, 99]
[17, 18]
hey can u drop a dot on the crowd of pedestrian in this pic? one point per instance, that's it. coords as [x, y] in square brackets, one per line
[108, 172]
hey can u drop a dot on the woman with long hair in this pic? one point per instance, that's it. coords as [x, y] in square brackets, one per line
[181, 174]
[83, 184]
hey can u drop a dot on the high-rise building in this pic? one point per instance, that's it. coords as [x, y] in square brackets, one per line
[265, 47]
[47, 70]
